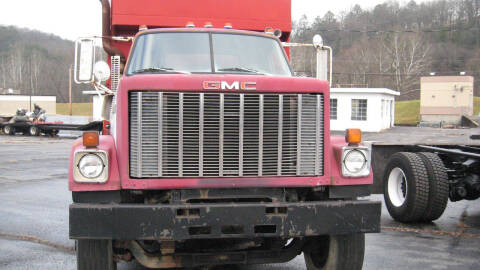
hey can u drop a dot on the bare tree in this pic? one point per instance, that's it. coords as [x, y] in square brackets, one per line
[35, 64]
[409, 58]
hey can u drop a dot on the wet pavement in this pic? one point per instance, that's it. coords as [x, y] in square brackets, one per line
[34, 201]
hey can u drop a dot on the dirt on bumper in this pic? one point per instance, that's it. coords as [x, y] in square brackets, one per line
[229, 220]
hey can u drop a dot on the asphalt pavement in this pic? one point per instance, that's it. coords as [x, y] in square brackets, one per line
[34, 201]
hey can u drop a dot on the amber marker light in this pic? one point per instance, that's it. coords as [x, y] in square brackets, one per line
[353, 136]
[228, 26]
[208, 25]
[90, 139]
[190, 25]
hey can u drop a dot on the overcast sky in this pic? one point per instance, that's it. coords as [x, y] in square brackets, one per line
[71, 19]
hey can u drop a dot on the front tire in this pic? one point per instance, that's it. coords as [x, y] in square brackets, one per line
[335, 252]
[406, 187]
[9, 130]
[95, 255]
[33, 131]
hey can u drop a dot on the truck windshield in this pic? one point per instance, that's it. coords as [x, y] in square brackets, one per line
[187, 52]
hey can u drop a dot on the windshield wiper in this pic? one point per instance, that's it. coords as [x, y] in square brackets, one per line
[240, 69]
[161, 69]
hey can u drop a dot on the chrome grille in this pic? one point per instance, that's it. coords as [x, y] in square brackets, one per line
[226, 135]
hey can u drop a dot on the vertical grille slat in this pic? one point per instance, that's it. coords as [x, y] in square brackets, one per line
[308, 134]
[231, 134]
[222, 134]
[160, 135]
[260, 136]
[180, 134]
[280, 135]
[226, 135]
[241, 116]
[251, 138]
[170, 133]
[211, 157]
[299, 134]
[270, 135]
[200, 134]
[191, 135]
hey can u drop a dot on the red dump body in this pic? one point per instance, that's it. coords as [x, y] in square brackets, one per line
[253, 15]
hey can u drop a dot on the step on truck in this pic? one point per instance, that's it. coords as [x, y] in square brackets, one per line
[214, 153]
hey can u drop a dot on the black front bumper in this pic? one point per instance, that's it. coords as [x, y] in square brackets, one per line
[227, 220]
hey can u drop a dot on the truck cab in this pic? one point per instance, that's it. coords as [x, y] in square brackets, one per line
[214, 153]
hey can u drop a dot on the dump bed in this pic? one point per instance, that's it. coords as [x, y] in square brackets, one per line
[243, 14]
[253, 15]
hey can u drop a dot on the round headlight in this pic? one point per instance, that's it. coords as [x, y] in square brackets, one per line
[91, 166]
[355, 161]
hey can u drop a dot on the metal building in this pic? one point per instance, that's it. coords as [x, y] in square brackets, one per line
[446, 98]
[10, 103]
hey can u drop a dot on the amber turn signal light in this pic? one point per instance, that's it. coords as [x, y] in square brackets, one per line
[354, 135]
[90, 139]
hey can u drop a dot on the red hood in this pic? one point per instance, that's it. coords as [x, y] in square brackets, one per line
[194, 82]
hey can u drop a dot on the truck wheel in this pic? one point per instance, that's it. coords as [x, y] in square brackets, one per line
[438, 186]
[9, 130]
[406, 187]
[33, 131]
[95, 255]
[335, 252]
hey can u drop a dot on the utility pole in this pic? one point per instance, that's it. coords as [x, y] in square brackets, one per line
[70, 90]
[477, 18]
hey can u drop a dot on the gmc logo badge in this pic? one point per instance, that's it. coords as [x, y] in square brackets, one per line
[217, 85]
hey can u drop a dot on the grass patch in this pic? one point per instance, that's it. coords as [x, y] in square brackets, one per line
[84, 109]
[407, 112]
[476, 105]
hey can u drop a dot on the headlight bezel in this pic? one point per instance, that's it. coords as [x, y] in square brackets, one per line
[365, 171]
[79, 177]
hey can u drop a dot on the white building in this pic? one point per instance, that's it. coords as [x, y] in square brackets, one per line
[369, 109]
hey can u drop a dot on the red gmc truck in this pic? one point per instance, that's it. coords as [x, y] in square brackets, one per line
[211, 151]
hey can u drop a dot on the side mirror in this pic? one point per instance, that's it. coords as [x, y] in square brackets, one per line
[84, 60]
[317, 41]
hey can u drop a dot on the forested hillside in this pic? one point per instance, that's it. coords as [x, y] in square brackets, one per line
[37, 63]
[392, 45]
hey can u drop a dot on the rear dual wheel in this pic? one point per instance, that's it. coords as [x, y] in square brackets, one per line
[438, 186]
[415, 187]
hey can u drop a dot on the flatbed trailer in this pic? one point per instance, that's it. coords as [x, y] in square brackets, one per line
[48, 128]
[419, 169]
